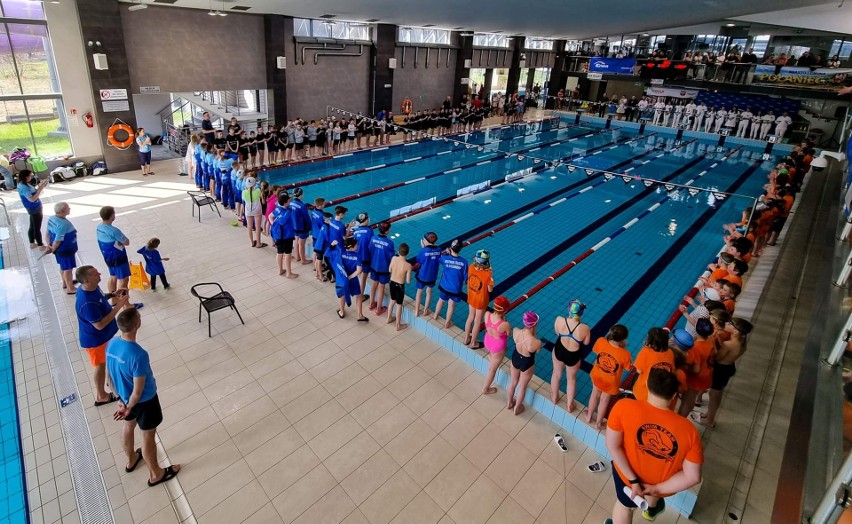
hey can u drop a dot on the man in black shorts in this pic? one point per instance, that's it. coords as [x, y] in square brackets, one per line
[400, 274]
[130, 370]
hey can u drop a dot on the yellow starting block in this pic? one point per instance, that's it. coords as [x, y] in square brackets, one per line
[138, 277]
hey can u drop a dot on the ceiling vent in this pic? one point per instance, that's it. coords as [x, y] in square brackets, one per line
[167, 2]
[429, 25]
[373, 20]
[240, 8]
[328, 17]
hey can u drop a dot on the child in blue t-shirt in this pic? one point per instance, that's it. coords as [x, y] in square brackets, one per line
[154, 263]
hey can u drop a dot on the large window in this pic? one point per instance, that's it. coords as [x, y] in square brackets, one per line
[338, 29]
[490, 40]
[31, 110]
[842, 48]
[759, 44]
[424, 35]
[542, 44]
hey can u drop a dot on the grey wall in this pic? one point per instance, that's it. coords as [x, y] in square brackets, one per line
[171, 47]
[343, 81]
[426, 87]
[146, 107]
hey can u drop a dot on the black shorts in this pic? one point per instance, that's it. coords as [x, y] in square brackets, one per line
[145, 158]
[722, 373]
[300, 145]
[312, 143]
[397, 292]
[290, 146]
[284, 246]
[148, 414]
[778, 224]
[622, 497]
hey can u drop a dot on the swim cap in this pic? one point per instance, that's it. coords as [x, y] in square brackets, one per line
[430, 237]
[362, 217]
[251, 181]
[576, 308]
[298, 192]
[704, 327]
[530, 319]
[501, 304]
[456, 246]
[326, 217]
[350, 242]
[683, 339]
[384, 227]
[482, 257]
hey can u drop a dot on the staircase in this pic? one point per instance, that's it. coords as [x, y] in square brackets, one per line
[229, 104]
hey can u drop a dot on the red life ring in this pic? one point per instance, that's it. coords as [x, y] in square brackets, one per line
[115, 142]
[407, 106]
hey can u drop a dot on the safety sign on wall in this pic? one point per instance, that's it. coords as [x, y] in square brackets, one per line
[113, 94]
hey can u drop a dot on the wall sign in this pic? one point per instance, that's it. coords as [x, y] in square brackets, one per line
[618, 66]
[149, 90]
[115, 106]
[113, 94]
[595, 76]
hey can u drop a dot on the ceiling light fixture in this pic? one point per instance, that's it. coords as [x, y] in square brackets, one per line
[730, 25]
[138, 7]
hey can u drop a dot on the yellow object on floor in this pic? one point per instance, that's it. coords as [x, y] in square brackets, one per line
[138, 277]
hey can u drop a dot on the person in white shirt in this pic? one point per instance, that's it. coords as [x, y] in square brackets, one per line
[678, 114]
[756, 120]
[642, 107]
[731, 120]
[745, 120]
[781, 124]
[720, 119]
[658, 111]
[689, 113]
[667, 112]
[765, 124]
[700, 111]
[708, 120]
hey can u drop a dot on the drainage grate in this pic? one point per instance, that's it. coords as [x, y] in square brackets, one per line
[89, 489]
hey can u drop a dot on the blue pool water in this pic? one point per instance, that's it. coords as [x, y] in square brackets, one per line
[13, 505]
[637, 278]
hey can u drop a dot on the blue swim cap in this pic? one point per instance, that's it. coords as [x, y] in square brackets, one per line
[482, 257]
[683, 339]
[576, 308]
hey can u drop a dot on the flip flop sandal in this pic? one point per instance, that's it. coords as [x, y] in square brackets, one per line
[364, 319]
[477, 346]
[168, 474]
[136, 463]
[263, 245]
[112, 398]
[340, 313]
[560, 442]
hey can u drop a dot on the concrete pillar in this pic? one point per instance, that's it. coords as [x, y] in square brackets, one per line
[465, 53]
[515, 68]
[384, 48]
[276, 79]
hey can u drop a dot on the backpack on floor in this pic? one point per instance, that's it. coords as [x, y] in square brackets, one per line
[80, 169]
[61, 174]
[98, 168]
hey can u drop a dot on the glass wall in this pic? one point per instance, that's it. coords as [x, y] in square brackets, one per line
[339, 29]
[31, 111]
[424, 35]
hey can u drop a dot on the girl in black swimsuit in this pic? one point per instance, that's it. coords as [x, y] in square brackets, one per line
[571, 335]
[523, 365]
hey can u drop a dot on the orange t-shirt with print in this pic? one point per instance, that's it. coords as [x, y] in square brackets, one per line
[719, 274]
[610, 363]
[702, 354]
[647, 360]
[656, 441]
[478, 281]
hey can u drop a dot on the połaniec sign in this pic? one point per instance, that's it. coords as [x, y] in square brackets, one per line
[803, 76]
[616, 66]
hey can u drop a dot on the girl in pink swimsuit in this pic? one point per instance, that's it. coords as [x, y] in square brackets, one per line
[496, 337]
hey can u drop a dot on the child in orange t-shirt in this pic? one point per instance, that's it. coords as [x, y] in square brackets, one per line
[612, 360]
[680, 371]
[700, 360]
[480, 282]
[654, 355]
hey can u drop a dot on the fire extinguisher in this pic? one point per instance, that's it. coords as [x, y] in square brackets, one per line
[89, 121]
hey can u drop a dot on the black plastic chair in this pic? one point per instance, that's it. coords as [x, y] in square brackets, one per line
[220, 300]
[201, 199]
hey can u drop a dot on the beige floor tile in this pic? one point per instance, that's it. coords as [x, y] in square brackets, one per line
[320, 419]
[436, 362]
[288, 471]
[597, 514]
[239, 399]
[164, 516]
[206, 496]
[386, 502]
[421, 510]
[252, 437]
[511, 423]
[537, 433]
[464, 428]
[198, 445]
[344, 379]
[362, 482]
[485, 447]
[589, 483]
[272, 373]
[374, 408]
[180, 430]
[249, 415]
[563, 461]
[348, 458]
[394, 369]
[452, 482]
[238, 507]
[391, 424]
[305, 404]
[145, 504]
[452, 375]
[333, 438]
[359, 393]
[328, 368]
[444, 411]
[410, 442]
[510, 512]
[407, 383]
[356, 517]
[293, 388]
[304, 493]
[510, 466]
[378, 357]
[536, 487]
[205, 467]
[274, 451]
[332, 508]
[478, 503]
[265, 515]
[426, 396]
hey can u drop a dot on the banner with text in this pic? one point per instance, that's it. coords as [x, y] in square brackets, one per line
[802, 76]
[672, 92]
[613, 66]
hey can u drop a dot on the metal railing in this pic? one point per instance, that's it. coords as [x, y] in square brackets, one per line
[236, 102]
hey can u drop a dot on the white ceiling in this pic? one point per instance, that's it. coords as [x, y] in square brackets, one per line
[573, 19]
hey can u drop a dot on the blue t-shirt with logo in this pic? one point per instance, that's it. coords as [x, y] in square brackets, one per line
[63, 231]
[125, 361]
[108, 236]
[91, 307]
[428, 259]
[454, 273]
[144, 146]
[27, 191]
